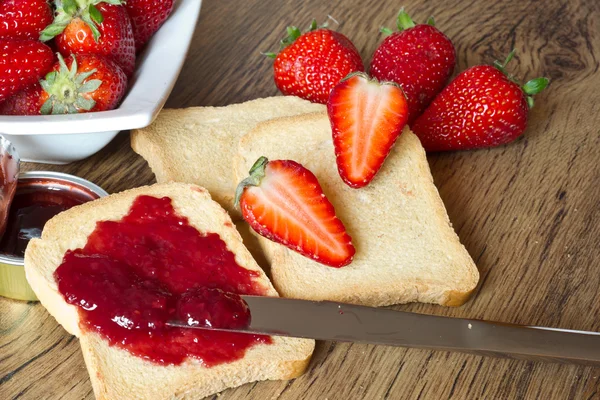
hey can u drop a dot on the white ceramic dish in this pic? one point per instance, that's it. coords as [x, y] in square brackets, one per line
[61, 139]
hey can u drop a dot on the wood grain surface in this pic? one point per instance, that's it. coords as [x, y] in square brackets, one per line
[529, 212]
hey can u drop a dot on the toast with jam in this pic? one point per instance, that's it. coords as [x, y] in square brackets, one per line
[196, 144]
[406, 248]
[115, 271]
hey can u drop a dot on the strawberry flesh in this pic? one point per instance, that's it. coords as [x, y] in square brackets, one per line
[366, 119]
[289, 207]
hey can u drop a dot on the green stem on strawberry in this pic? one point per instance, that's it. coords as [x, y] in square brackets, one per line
[533, 87]
[403, 22]
[530, 88]
[502, 66]
[257, 173]
[67, 10]
[293, 33]
[68, 90]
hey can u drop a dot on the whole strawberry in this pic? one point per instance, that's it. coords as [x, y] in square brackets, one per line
[482, 107]
[311, 64]
[22, 63]
[420, 58]
[147, 16]
[82, 83]
[26, 102]
[24, 18]
[94, 26]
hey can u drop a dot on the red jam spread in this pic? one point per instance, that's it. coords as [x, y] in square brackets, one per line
[213, 308]
[34, 203]
[152, 266]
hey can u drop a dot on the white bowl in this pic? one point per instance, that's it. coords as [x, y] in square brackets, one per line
[61, 139]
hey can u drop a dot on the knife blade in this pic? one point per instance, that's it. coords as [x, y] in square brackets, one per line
[326, 320]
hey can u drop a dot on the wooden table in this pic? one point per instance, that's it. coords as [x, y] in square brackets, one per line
[529, 212]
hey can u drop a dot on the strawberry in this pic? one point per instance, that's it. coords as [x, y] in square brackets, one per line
[420, 58]
[482, 107]
[94, 26]
[83, 83]
[24, 18]
[309, 65]
[147, 16]
[26, 102]
[366, 119]
[284, 202]
[22, 63]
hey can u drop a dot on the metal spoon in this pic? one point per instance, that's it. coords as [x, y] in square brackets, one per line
[10, 164]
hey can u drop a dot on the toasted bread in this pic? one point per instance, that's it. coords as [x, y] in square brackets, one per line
[406, 247]
[196, 145]
[114, 372]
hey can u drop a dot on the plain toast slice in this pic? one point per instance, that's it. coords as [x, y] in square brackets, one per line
[196, 145]
[406, 248]
[114, 372]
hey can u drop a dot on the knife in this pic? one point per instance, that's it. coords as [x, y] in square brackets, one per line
[326, 320]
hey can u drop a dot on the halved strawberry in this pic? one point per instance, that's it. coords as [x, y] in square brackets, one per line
[366, 119]
[284, 202]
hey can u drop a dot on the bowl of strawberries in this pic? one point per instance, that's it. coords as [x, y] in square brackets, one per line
[73, 73]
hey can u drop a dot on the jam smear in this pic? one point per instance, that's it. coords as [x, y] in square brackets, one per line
[35, 202]
[152, 266]
[213, 308]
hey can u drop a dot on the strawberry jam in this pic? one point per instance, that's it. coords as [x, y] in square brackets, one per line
[213, 308]
[152, 266]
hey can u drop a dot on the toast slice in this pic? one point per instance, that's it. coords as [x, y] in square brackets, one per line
[406, 249]
[114, 372]
[196, 145]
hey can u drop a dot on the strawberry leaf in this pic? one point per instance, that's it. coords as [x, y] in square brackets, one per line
[431, 21]
[95, 14]
[293, 33]
[86, 104]
[257, 173]
[535, 86]
[93, 27]
[530, 101]
[69, 6]
[51, 31]
[404, 20]
[386, 31]
[63, 66]
[90, 86]
[47, 106]
[81, 77]
[74, 68]
[59, 108]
